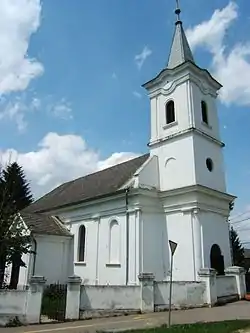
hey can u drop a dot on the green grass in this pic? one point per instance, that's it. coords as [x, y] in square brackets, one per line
[220, 327]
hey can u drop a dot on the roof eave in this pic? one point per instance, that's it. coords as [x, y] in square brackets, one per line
[79, 202]
[156, 80]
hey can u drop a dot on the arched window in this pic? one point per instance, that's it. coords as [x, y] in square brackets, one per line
[217, 259]
[114, 242]
[81, 243]
[204, 112]
[170, 112]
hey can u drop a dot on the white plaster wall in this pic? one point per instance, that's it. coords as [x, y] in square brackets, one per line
[187, 95]
[180, 96]
[53, 258]
[110, 298]
[96, 216]
[182, 162]
[97, 269]
[13, 302]
[226, 286]
[26, 272]
[215, 231]
[176, 162]
[179, 229]
[149, 174]
[204, 149]
[197, 96]
[184, 294]
[112, 273]
[155, 256]
[87, 269]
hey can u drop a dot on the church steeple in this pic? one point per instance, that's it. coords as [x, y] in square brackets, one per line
[180, 50]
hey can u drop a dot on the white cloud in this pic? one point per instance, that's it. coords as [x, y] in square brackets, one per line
[16, 108]
[137, 94]
[36, 103]
[114, 76]
[115, 158]
[211, 33]
[141, 58]
[59, 158]
[19, 20]
[14, 111]
[62, 110]
[231, 67]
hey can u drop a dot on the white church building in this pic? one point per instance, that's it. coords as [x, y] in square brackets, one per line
[112, 225]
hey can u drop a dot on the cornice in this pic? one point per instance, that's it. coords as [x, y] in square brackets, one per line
[183, 133]
[195, 208]
[205, 89]
[170, 74]
[198, 189]
[93, 217]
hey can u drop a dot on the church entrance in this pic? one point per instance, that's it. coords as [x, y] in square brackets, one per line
[217, 259]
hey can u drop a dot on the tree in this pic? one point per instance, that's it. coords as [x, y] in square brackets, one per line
[18, 188]
[237, 248]
[15, 195]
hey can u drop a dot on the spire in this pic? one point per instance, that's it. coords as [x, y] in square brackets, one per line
[180, 50]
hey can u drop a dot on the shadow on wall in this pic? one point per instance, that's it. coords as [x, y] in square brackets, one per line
[165, 252]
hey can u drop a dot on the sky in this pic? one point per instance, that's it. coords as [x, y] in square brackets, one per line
[71, 71]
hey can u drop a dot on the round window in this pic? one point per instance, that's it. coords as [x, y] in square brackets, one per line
[209, 164]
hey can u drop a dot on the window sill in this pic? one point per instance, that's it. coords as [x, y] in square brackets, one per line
[113, 265]
[170, 125]
[206, 125]
[80, 263]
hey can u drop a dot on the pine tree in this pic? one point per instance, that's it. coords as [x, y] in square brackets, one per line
[15, 195]
[18, 188]
[237, 248]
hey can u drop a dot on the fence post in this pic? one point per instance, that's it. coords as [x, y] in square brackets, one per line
[147, 292]
[208, 275]
[239, 274]
[34, 299]
[73, 297]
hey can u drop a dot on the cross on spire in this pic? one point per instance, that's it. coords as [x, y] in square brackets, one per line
[178, 11]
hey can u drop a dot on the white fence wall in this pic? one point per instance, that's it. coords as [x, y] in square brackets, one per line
[12, 304]
[22, 304]
[226, 286]
[110, 298]
[184, 294]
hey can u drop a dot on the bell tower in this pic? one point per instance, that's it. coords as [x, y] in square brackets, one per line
[186, 140]
[184, 122]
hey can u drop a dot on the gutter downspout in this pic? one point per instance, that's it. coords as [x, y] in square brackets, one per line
[34, 256]
[127, 236]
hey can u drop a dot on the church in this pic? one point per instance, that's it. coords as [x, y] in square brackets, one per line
[112, 225]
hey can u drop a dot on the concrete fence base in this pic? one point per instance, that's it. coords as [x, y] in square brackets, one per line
[22, 305]
[85, 301]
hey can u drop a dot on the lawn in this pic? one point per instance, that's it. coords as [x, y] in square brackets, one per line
[220, 327]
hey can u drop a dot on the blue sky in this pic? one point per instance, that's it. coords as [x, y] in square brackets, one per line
[83, 92]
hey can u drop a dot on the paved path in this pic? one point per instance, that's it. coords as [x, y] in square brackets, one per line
[239, 310]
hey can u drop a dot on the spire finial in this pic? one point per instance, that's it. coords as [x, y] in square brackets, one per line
[177, 12]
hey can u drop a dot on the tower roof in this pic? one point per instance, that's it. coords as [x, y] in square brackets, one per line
[180, 50]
